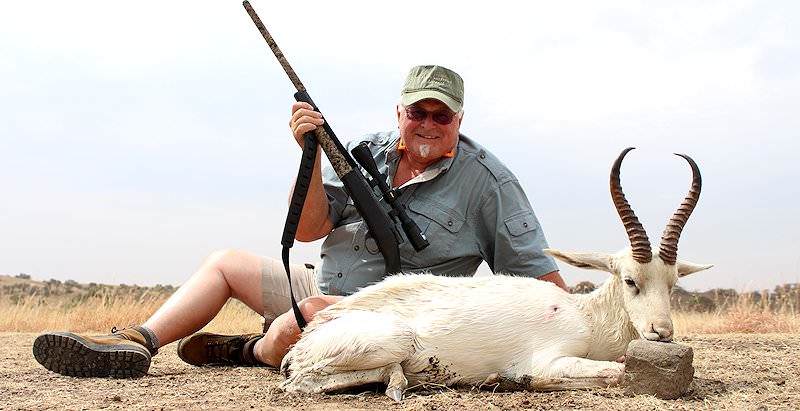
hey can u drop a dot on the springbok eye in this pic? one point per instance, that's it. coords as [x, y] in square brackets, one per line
[630, 282]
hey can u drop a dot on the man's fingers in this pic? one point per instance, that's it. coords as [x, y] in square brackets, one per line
[303, 120]
[300, 104]
[303, 128]
[309, 119]
[304, 125]
[304, 112]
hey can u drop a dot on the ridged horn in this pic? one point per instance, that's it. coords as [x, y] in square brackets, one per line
[640, 245]
[668, 251]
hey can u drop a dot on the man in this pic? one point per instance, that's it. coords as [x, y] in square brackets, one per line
[469, 205]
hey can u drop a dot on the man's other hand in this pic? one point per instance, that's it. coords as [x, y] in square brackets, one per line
[555, 278]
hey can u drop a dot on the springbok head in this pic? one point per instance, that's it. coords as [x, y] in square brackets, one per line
[645, 275]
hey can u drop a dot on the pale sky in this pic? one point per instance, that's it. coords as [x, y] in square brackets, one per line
[138, 137]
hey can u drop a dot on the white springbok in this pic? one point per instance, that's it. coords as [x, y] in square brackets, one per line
[517, 332]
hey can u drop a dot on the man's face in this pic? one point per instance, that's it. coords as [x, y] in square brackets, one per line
[425, 139]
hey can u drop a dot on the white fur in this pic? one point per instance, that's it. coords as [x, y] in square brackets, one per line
[476, 330]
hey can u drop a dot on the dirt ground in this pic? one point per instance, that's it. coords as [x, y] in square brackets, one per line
[732, 372]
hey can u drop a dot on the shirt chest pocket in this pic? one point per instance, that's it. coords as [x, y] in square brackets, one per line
[441, 226]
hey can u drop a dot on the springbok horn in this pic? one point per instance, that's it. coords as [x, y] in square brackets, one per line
[668, 251]
[638, 237]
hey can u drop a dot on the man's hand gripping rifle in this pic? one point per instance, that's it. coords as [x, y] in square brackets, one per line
[378, 220]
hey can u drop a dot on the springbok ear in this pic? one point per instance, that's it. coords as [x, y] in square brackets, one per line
[685, 268]
[592, 261]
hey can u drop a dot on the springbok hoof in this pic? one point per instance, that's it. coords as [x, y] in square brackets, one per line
[395, 393]
[491, 379]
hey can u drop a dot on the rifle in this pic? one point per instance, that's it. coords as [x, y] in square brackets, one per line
[379, 221]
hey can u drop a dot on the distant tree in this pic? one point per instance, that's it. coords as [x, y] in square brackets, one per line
[679, 291]
[583, 287]
[23, 276]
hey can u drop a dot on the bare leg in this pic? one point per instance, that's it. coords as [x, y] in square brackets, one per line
[222, 275]
[284, 332]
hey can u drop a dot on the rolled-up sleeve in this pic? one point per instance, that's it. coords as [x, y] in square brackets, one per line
[512, 239]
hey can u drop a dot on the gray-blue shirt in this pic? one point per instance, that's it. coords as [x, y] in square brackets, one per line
[470, 207]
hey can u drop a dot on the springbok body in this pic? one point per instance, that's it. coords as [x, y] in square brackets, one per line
[518, 332]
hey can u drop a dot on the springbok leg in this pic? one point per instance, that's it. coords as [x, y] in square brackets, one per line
[564, 373]
[575, 372]
[391, 375]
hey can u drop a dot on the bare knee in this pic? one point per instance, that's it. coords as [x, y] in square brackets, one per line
[241, 271]
[310, 306]
[223, 262]
[220, 258]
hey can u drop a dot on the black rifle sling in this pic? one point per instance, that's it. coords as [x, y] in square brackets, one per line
[295, 210]
[379, 222]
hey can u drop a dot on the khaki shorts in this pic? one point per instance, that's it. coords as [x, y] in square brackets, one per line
[275, 286]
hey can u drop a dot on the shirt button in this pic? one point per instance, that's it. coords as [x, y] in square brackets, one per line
[482, 156]
[339, 275]
[356, 247]
[449, 223]
[523, 224]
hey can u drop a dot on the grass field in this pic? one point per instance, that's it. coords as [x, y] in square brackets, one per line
[746, 350]
[31, 306]
[100, 314]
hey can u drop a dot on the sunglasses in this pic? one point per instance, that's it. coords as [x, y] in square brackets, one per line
[442, 117]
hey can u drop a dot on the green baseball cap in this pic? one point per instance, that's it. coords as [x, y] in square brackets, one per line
[434, 82]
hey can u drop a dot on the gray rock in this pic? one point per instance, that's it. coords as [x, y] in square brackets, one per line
[657, 368]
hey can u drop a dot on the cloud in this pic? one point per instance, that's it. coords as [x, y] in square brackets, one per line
[136, 138]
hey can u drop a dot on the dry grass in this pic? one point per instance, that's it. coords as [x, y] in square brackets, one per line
[101, 312]
[33, 314]
[744, 315]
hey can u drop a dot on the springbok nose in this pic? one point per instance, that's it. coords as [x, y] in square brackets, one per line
[664, 330]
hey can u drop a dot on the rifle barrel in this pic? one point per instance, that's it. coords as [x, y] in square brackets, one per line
[274, 47]
[378, 222]
[325, 136]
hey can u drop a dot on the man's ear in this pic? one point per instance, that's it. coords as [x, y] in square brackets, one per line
[592, 261]
[685, 268]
